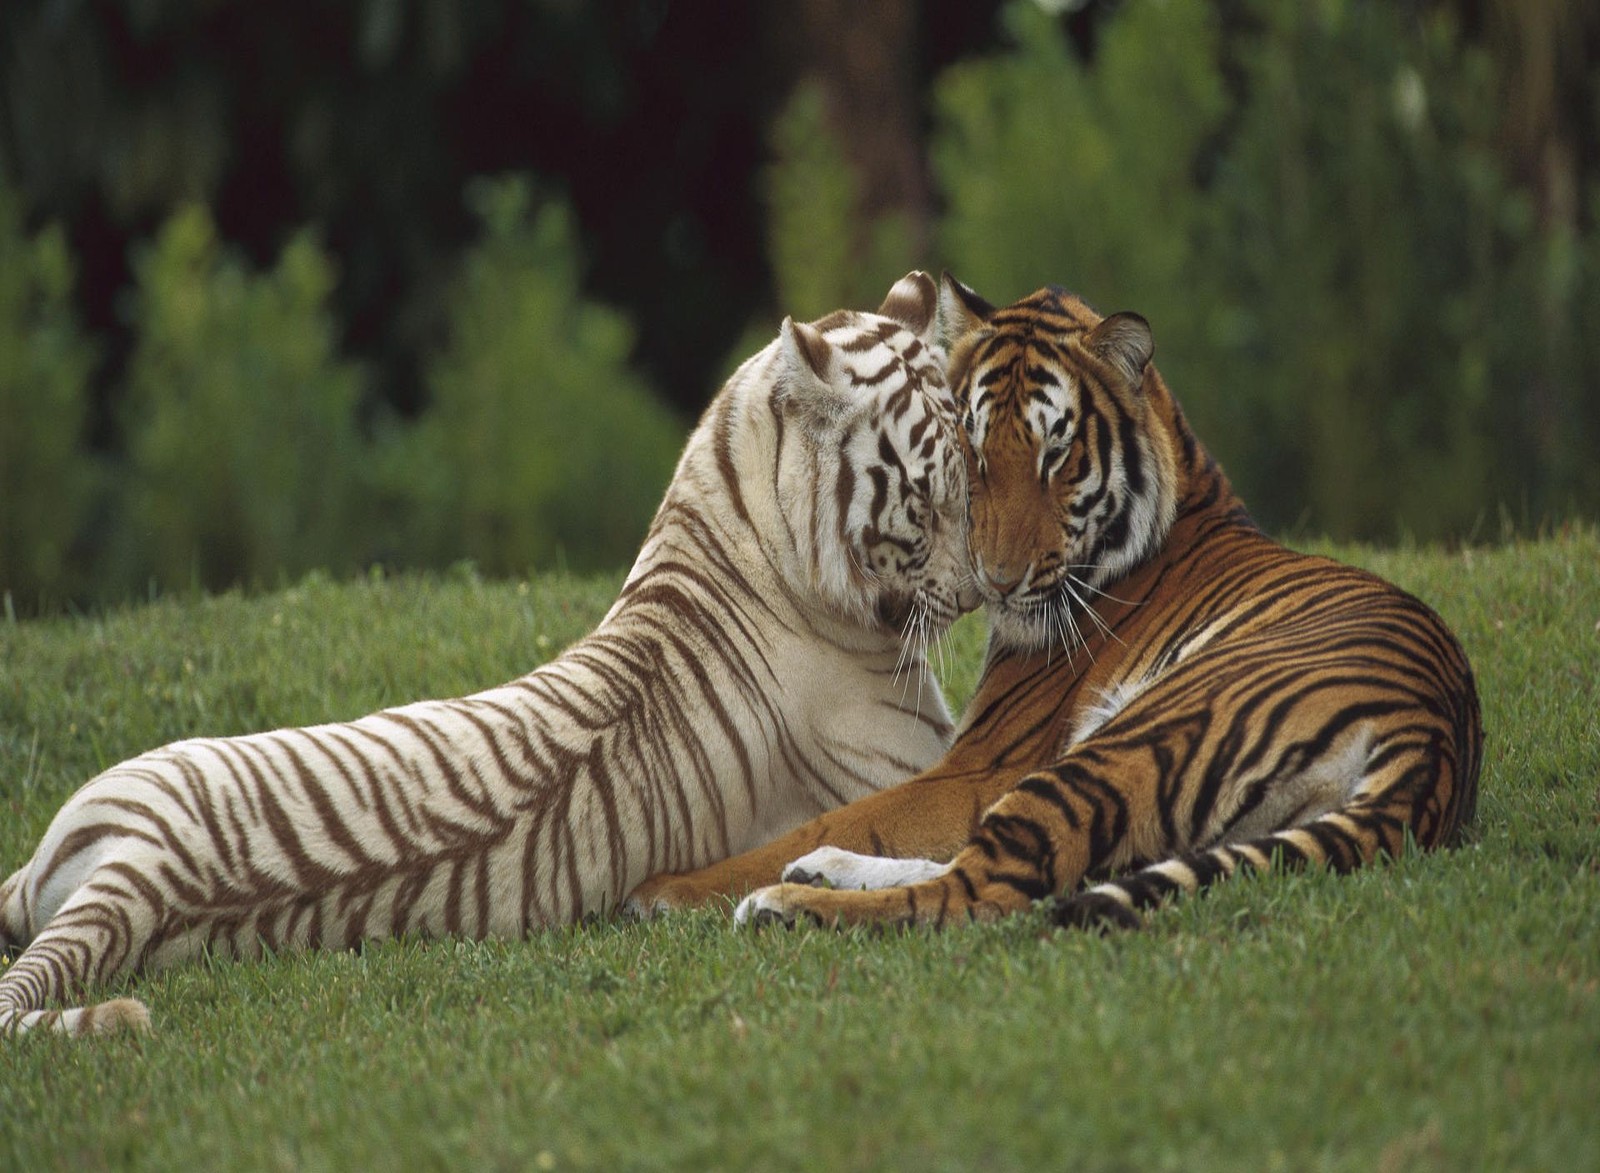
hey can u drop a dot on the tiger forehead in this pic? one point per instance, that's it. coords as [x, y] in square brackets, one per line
[886, 359]
[1026, 375]
[858, 333]
[1022, 344]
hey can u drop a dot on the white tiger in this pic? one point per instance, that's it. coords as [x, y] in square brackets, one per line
[765, 661]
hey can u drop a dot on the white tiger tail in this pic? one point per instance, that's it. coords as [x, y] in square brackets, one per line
[764, 662]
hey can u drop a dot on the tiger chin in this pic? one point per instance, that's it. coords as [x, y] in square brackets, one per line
[1169, 695]
[763, 662]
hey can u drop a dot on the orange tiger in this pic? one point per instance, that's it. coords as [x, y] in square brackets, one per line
[1168, 696]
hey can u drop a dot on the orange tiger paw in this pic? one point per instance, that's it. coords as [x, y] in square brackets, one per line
[668, 892]
[936, 903]
[778, 904]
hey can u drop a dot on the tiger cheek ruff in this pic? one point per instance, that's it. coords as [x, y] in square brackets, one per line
[1169, 695]
[764, 662]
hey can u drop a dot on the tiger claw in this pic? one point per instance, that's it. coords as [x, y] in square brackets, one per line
[811, 879]
[1095, 912]
[768, 906]
[757, 910]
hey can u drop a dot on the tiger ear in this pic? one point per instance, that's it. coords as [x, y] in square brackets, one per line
[960, 310]
[1124, 341]
[912, 302]
[810, 370]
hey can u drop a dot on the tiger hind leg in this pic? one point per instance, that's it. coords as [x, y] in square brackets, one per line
[1340, 840]
[1413, 787]
[98, 934]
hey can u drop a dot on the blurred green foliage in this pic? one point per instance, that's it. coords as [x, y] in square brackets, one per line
[46, 476]
[1372, 315]
[1357, 309]
[246, 456]
[825, 251]
[244, 461]
[541, 444]
[1058, 172]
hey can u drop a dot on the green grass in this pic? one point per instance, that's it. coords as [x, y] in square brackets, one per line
[1440, 1013]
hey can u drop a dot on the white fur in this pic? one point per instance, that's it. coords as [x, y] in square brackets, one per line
[1325, 785]
[1112, 701]
[834, 867]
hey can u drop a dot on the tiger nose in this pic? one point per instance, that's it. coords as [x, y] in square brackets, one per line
[1002, 578]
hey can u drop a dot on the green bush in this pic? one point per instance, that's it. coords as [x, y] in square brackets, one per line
[46, 477]
[1056, 172]
[540, 444]
[825, 252]
[244, 461]
[1360, 265]
[1358, 308]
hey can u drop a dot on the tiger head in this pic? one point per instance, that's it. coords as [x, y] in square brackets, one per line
[879, 503]
[1071, 477]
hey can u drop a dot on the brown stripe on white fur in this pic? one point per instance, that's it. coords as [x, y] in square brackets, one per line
[746, 678]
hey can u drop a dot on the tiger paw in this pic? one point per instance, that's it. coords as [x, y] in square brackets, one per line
[1096, 912]
[834, 867]
[663, 894]
[768, 906]
[117, 1015]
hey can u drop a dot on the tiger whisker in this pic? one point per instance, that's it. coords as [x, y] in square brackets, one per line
[907, 658]
[932, 644]
[915, 649]
[922, 640]
[1066, 585]
[946, 653]
[1064, 614]
[1052, 622]
[1102, 593]
[902, 666]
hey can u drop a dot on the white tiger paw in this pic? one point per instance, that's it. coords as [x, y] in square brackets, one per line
[834, 867]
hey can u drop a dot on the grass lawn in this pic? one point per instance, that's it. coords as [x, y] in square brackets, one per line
[1440, 1013]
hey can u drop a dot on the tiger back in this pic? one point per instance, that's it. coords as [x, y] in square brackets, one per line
[763, 662]
[1168, 696]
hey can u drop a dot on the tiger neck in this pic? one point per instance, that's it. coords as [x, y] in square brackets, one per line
[1206, 507]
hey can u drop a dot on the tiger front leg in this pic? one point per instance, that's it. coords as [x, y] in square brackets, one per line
[834, 867]
[1017, 856]
[929, 816]
[995, 875]
[1038, 840]
[942, 901]
[717, 884]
